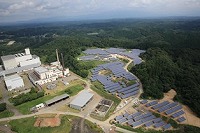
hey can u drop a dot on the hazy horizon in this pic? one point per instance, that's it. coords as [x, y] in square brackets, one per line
[12, 11]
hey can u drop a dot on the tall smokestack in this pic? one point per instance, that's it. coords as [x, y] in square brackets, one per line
[57, 55]
[63, 65]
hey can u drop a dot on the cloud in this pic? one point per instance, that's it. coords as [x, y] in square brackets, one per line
[30, 9]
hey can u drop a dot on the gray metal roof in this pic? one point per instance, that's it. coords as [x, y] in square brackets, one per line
[18, 69]
[12, 77]
[41, 70]
[57, 98]
[7, 57]
[82, 98]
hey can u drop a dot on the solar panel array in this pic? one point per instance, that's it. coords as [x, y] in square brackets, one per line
[103, 53]
[115, 87]
[139, 119]
[171, 109]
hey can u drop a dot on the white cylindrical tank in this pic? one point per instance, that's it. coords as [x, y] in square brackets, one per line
[27, 51]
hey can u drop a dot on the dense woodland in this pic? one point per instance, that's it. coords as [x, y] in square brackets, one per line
[172, 59]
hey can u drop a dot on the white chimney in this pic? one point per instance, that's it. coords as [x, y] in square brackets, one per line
[27, 51]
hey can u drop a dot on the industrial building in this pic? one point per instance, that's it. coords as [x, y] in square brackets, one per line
[13, 82]
[56, 99]
[42, 75]
[19, 62]
[81, 100]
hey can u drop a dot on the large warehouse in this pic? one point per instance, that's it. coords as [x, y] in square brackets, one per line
[81, 100]
[19, 62]
[13, 82]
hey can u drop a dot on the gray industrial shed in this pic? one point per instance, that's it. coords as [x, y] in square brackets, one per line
[56, 99]
[81, 100]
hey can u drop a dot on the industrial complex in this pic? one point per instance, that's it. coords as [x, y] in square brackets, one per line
[66, 92]
[25, 62]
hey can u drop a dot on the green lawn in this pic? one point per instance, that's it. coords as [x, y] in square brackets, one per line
[98, 87]
[25, 107]
[6, 113]
[132, 82]
[26, 125]
[125, 61]
[73, 90]
[130, 66]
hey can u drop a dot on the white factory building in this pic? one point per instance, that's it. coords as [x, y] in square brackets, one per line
[81, 100]
[19, 62]
[42, 75]
[13, 82]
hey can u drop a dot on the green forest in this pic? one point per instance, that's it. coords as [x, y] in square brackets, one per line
[172, 50]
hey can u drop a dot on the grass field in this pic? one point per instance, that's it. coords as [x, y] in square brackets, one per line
[6, 113]
[98, 87]
[26, 125]
[25, 107]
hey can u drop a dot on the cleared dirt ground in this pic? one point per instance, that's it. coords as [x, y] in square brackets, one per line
[48, 122]
[191, 118]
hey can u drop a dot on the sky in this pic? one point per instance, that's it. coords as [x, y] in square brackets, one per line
[27, 10]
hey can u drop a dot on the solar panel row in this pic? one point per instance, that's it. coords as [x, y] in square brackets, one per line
[142, 116]
[160, 105]
[177, 114]
[173, 109]
[129, 87]
[144, 101]
[131, 90]
[161, 123]
[166, 107]
[181, 119]
[151, 117]
[123, 120]
[137, 123]
[130, 94]
[151, 103]
[167, 126]
[148, 124]
[157, 120]
[119, 117]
